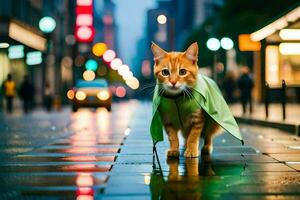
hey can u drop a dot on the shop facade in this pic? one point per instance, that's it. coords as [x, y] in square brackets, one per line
[278, 59]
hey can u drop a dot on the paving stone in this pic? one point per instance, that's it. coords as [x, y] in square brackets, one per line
[294, 165]
[286, 157]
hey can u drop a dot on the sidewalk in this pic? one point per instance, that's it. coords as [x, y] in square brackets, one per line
[275, 120]
[266, 167]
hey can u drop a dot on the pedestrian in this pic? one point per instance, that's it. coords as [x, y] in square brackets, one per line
[229, 87]
[9, 88]
[245, 84]
[26, 93]
[48, 97]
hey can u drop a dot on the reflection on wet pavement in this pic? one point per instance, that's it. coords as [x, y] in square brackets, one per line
[232, 172]
[74, 165]
[95, 155]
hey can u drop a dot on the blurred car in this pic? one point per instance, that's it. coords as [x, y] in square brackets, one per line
[90, 94]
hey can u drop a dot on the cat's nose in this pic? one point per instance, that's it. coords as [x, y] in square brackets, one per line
[173, 83]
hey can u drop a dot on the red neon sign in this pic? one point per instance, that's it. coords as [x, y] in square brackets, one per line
[84, 29]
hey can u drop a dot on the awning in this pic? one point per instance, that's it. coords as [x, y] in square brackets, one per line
[282, 22]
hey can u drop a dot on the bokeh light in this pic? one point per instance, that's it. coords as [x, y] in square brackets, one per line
[213, 44]
[84, 20]
[133, 83]
[146, 68]
[89, 75]
[80, 95]
[99, 49]
[127, 75]
[91, 65]
[84, 33]
[84, 2]
[116, 63]
[103, 95]
[109, 55]
[120, 91]
[47, 24]
[161, 19]
[123, 69]
[70, 94]
[226, 43]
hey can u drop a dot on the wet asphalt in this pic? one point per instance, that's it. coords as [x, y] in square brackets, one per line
[95, 154]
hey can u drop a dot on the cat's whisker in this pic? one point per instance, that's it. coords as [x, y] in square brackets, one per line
[191, 96]
[146, 87]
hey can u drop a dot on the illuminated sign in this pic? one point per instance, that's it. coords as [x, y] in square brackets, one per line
[34, 58]
[247, 44]
[26, 36]
[16, 52]
[84, 30]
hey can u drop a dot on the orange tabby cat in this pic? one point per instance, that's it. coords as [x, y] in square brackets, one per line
[177, 72]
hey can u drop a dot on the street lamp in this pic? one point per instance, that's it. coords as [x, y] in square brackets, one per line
[162, 19]
[226, 43]
[47, 24]
[214, 45]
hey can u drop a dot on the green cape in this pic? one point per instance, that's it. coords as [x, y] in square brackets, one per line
[206, 95]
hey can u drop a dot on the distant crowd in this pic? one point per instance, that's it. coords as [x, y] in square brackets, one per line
[26, 92]
[238, 89]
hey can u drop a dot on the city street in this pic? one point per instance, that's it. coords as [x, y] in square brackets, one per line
[95, 154]
[89, 88]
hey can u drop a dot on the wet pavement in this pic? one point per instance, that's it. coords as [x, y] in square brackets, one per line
[264, 168]
[102, 155]
[60, 155]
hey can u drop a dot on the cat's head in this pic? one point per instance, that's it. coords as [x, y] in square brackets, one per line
[175, 71]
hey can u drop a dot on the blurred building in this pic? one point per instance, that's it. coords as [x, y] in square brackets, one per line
[169, 25]
[279, 56]
[105, 25]
[204, 9]
[32, 52]
[105, 32]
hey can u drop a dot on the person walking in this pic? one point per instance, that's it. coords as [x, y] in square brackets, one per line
[229, 87]
[245, 84]
[26, 93]
[9, 88]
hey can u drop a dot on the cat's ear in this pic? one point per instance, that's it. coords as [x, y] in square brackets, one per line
[158, 52]
[192, 52]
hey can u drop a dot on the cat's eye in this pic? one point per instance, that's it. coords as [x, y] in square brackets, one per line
[182, 72]
[165, 72]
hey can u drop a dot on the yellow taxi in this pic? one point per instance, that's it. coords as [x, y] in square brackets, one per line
[94, 94]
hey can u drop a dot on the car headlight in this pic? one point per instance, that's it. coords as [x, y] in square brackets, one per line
[103, 95]
[80, 95]
[70, 94]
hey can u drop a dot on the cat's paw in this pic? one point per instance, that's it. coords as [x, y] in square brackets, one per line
[207, 149]
[191, 153]
[173, 153]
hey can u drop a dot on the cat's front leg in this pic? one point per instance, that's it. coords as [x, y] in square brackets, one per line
[192, 143]
[174, 143]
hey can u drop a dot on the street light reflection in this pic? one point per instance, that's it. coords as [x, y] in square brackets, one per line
[84, 180]
[84, 142]
[147, 179]
[103, 121]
